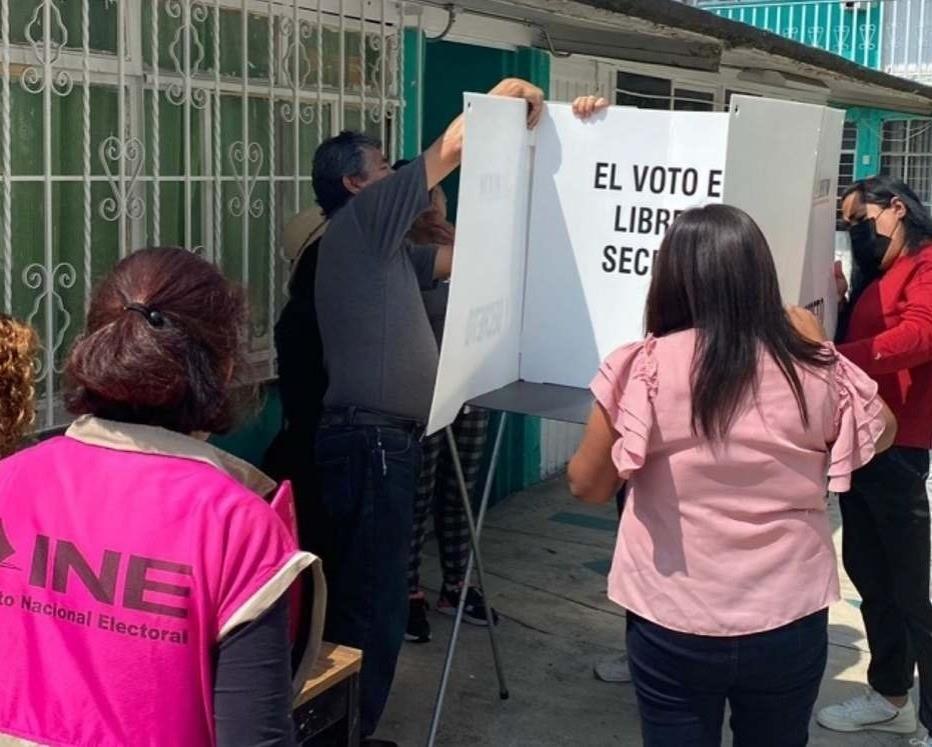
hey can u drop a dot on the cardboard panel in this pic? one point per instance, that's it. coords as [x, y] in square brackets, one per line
[557, 229]
[817, 291]
[482, 332]
[603, 193]
[770, 171]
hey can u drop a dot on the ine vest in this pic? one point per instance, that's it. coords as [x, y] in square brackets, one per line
[126, 554]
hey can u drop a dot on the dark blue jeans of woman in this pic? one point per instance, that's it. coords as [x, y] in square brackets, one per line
[770, 680]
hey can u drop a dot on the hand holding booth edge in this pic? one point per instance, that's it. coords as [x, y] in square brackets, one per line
[841, 282]
[585, 106]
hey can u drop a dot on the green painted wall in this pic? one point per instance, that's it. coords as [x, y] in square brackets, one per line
[870, 133]
[414, 51]
[870, 128]
[452, 69]
[253, 437]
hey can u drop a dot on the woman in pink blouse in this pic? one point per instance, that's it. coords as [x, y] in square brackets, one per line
[730, 422]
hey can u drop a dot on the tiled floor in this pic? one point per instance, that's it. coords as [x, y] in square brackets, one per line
[546, 558]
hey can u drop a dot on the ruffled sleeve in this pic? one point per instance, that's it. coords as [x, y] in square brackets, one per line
[859, 423]
[625, 386]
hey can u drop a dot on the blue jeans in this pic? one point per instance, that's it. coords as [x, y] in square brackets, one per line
[770, 680]
[368, 483]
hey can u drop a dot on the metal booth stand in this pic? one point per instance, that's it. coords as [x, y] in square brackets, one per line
[561, 403]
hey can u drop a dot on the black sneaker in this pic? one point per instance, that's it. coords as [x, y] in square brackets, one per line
[418, 630]
[473, 612]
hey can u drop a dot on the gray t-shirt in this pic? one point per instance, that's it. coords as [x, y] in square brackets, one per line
[379, 349]
[435, 303]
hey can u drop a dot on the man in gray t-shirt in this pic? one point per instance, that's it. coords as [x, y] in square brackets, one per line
[380, 351]
[381, 359]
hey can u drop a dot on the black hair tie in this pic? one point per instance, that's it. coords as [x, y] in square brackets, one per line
[153, 316]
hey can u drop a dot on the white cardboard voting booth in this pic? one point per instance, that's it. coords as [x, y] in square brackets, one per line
[557, 228]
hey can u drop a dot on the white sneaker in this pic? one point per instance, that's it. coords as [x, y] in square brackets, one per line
[613, 669]
[869, 711]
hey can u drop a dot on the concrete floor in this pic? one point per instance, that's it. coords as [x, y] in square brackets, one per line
[546, 558]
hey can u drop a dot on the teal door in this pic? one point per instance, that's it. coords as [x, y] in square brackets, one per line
[450, 70]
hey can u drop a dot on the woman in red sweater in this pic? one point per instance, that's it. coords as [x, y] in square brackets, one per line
[887, 331]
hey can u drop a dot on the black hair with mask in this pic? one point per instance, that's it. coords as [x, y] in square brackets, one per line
[868, 247]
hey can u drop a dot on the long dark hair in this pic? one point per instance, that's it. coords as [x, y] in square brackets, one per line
[715, 273]
[882, 190]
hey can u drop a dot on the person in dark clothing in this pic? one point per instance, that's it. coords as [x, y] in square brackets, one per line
[380, 359]
[302, 382]
[887, 331]
[438, 488]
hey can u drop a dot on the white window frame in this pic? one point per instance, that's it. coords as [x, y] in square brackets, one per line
[908, 155]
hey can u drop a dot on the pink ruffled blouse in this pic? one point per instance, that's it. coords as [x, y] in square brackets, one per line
[732, 538]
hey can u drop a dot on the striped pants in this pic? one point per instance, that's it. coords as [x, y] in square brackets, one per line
[438, 492]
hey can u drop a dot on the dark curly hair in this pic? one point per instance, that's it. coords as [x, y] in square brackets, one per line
[18, 345]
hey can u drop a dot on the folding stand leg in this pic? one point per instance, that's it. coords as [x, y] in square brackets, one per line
[475, 529]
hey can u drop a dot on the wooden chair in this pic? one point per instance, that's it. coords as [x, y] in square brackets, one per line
[327, 708]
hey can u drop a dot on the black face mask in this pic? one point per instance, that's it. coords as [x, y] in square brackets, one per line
[868, 247]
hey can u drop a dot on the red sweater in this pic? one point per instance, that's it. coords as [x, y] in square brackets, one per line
[890, 338]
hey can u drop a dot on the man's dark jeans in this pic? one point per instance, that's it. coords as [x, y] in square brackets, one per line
[770, 680]
[885, 546]
[368, 482]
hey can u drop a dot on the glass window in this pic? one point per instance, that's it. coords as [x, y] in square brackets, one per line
[642, 91]
[26, 20]
[685, 99]
[906, 153]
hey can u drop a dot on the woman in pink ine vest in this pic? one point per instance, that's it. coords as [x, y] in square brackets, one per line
[141, 572]
[730, 422]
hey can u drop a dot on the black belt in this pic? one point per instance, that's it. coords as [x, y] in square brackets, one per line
[359, 416]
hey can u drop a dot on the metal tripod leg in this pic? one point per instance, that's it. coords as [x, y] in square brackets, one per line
[475, 556]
